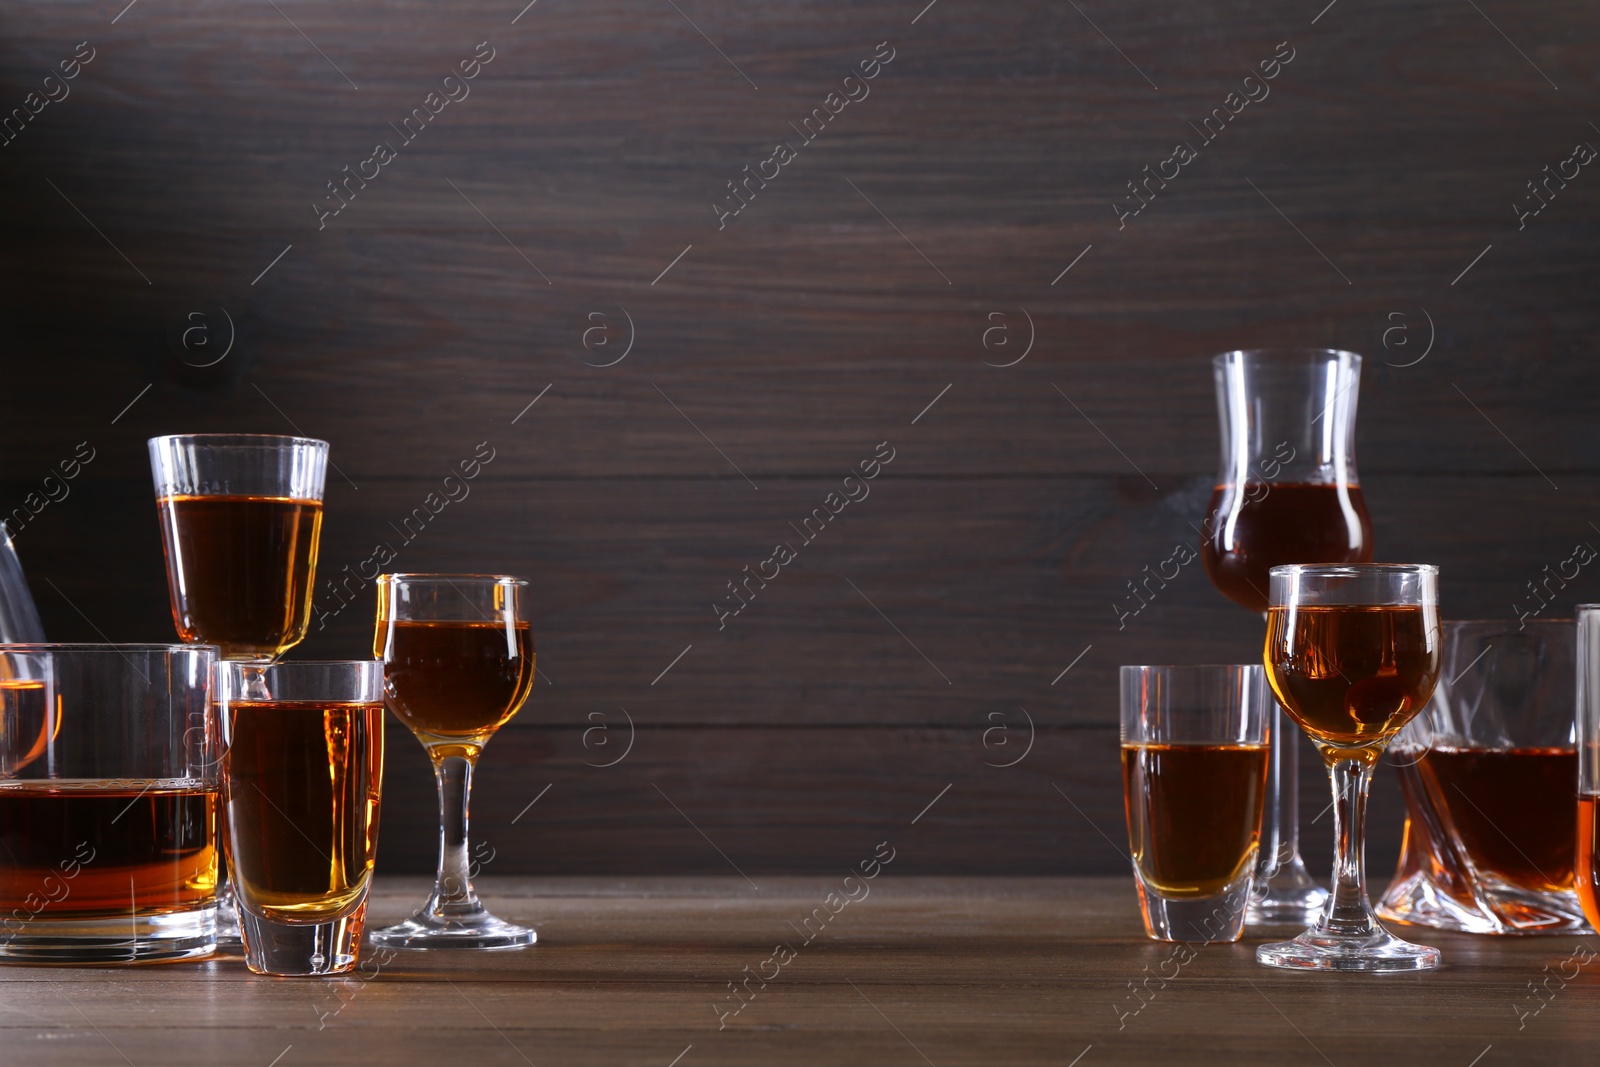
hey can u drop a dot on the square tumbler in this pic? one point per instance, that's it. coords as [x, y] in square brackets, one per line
[109, 761]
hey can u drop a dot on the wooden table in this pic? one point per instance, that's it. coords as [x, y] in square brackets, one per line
[941, 971]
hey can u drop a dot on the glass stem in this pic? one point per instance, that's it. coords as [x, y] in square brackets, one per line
[453, 897]
[1348, 913]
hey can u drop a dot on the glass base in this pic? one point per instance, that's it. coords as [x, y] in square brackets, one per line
[476, 930]
[298, 949]
[121, 939]
[1493, 907]
[228, 936]
[1195, 919]
[1292, 898]
[1377, 951]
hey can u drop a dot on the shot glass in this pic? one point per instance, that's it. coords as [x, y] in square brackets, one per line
[301, 782]
[1195, 755]
[109, 764]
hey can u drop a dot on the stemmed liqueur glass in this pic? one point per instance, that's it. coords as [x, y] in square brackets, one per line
[1286, 492]
[1353, 653]
[241, 515]
[458, 660]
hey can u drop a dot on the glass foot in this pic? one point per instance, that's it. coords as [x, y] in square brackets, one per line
[478, 930]
[1375, 951]
[228, 936]
[1291, 898]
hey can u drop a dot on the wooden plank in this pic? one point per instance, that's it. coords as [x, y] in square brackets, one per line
[1002, 584]
[766, 800]
[962, 971]
[807, 327]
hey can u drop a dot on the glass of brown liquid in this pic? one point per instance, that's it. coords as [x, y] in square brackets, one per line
[304, 768]
[458, 662]
[1195, 742]
[1286, 492]
[1488, 772]
[109, 766]
[1353, 653]
[241, 515]
[1586, 878]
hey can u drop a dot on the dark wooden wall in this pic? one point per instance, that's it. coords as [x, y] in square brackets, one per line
[178, 179]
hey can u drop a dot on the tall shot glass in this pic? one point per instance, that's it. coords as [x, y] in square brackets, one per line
[1195, 745]
[1587, 875]
[302, 778]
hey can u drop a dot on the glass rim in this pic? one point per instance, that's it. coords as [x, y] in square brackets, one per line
[239, 439]
[1190, 666]
[1285, 355]
[411, 576]
[288, 663]
[1352, 570]
[104, 646]
[1557, 621]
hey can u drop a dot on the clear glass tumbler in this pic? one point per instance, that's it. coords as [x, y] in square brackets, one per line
[109, 764]
[1195, 742]
[304, 769]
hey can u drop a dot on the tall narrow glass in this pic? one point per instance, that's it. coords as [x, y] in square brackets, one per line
[458, 659]
[1587, 880]
[1353, 653]
[241, 515]
[1286, 492]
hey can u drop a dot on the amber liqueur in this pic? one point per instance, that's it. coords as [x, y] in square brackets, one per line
[303, 788]
[1352, 676]
[455, 680]
[1586, 879]
[1185, 846]
[1513, 810]
[241, 569]
[85, 849]
[1254, 527]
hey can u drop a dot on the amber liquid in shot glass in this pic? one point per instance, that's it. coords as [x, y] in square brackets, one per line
[304, 808]
[1194, 814]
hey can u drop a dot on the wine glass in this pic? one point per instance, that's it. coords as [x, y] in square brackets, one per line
[241, 516]
[458, 660]
[1286, 492]
[1353, 653]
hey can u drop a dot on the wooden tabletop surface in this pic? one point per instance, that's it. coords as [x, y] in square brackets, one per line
[939, 971]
